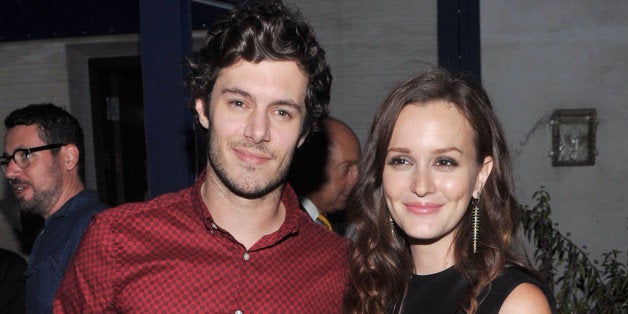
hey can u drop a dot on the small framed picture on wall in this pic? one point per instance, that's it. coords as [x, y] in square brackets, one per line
[573, 137]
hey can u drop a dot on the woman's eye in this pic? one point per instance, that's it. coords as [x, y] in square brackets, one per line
[398, 161]
[446, 162]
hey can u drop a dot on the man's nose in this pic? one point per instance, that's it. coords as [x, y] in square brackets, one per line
[257, 127]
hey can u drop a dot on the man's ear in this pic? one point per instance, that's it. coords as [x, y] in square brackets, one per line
[302, 138]
[72, 156]
[199, 106]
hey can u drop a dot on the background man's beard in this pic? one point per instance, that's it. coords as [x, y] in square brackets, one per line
[41, 202]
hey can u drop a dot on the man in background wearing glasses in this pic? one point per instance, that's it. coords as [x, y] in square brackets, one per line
[44, 161]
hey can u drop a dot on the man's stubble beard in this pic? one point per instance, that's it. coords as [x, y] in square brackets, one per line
[239, 187]
[43, 200]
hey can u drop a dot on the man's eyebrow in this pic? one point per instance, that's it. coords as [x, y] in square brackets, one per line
[15, 150]
[290, 103]
[281, 102]
[236, 91]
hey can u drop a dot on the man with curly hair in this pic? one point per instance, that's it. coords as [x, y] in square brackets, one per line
[236, 241]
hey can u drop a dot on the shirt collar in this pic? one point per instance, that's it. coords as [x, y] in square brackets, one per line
[310, 208]
[288, 198]
[70, 207]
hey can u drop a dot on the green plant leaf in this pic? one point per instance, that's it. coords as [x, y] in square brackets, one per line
[579, 284]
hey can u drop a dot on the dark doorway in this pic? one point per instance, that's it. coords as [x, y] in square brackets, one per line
[118, 122]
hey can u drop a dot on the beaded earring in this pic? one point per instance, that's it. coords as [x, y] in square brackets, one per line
[475, 202]
[391, 225]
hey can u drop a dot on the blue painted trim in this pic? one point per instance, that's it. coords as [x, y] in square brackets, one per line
[165, 32]
[459, 36]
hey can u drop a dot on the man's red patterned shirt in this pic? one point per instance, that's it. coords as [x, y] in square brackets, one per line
[167, 255]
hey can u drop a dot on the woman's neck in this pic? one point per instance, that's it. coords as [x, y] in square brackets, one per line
[433, 257]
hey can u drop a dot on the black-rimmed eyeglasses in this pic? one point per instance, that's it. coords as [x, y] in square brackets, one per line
[22, 156]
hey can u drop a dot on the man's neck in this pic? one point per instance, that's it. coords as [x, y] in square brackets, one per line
[247, 220]
[69, 189]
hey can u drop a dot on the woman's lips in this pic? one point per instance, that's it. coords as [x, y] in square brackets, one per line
[423, 208]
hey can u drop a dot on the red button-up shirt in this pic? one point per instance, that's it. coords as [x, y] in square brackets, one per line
[167, 255]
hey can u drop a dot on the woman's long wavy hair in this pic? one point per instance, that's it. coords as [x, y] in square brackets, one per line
[381, 262]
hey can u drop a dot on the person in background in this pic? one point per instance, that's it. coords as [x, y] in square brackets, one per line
[12, 282]
[44, 161]
[324, 171]
[236, 241]
[434, 212]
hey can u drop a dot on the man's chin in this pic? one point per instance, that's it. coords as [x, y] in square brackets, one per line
[339, 207]
[334, 210]
[28, 207]
[251, 190]
[23, 204]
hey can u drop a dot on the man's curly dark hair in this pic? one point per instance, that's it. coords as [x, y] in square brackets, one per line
[257, 31]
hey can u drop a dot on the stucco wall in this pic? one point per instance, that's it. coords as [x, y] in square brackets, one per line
[371, 46]
[538, 56]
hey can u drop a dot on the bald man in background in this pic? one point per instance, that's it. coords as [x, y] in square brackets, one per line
[324, 171]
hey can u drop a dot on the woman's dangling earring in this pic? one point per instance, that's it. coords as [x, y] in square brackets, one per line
[391, 225]
[475, 202]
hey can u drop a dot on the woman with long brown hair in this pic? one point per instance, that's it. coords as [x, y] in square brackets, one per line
[433, 208]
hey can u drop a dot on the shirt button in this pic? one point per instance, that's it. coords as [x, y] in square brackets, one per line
[246, 256]
[238, 312]
[214, 226]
